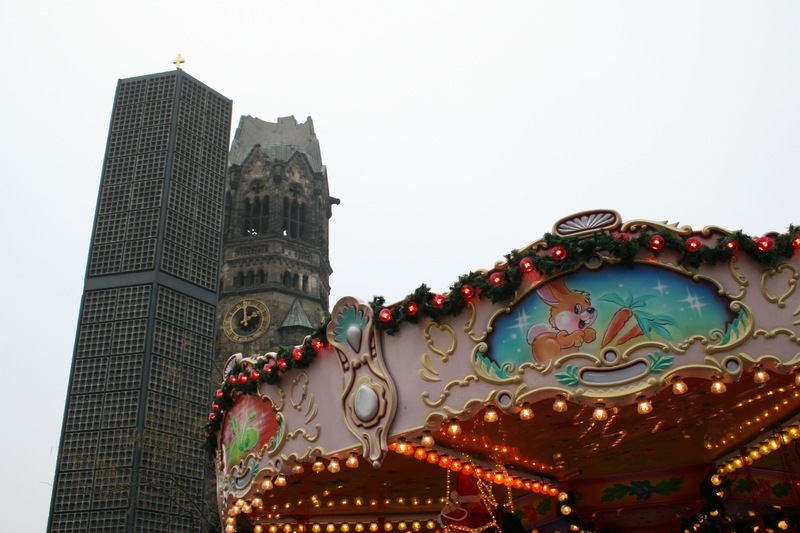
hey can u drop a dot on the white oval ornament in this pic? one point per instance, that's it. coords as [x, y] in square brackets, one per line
[366, 403]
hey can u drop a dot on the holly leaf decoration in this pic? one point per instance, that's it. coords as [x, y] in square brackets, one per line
[782, 489]
[615, 492]
[569, 377]
[659, 362]
[669, 486]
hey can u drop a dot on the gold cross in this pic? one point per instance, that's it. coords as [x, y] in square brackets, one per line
[178, 61]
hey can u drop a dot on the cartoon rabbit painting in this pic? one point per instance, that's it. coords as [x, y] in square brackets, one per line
[571, 318]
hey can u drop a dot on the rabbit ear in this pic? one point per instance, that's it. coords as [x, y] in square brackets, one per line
[550, 293]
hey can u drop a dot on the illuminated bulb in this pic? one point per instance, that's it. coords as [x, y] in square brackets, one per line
[401, 526]
[266, 485]
[679, 386]
[416, 526]
[373, 526]
[773, 443]
[454, 429]
[230, 529]
[490, 415]
[794, 431]
[600, 412]
[318, 465]
[738, 462]
[280, 481]
[287, 528]
[257, 502]
[427, 439]
[352, 460]
[563, 496]
[359, 528]
[273, 529]
[468, 469]
[730, 467]
[718, 387]
[797, 377]
[716, 480]
[433, 458]
[330, 528]
[760, 376]
[316, 528]
[566, 509]
[765, 449]
[345, 528]
[560, 405]
[643, 405]
[258, 528]
[430, 524]
[333, 465]
[297, 468]
[387, 526]
[402, 446]
[240, 503]
[526, 413]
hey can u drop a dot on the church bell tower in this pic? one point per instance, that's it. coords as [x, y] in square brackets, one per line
[275, 269]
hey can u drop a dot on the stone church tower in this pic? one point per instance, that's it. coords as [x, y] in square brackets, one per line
[274, 284]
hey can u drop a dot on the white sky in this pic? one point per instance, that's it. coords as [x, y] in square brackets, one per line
[453, 132]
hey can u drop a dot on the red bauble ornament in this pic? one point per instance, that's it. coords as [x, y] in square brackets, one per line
[317, 344]
[215, 406]
[297, 353]
[657, 242]
[693, 244]
[281, 364]
[438, 301]
[526, 264]
[731, 245]
[219, 393]
[268, 369]
[254, 375]
[243, 379]
[412, 308]
[765, 243]
[796, 242]
[385, 315]
[496, 278]
[233, 380]
[558, 252]
[467, 291]
[212, 416]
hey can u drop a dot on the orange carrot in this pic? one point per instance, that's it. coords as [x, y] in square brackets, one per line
[616, 324]
[634, 332]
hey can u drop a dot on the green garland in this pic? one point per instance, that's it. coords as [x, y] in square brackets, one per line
[501, 284]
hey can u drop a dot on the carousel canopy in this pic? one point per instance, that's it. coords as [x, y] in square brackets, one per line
[634, 376]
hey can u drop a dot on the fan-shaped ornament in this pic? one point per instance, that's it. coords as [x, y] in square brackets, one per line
[587, 221]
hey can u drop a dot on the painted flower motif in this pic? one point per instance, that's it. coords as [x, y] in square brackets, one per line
[643, 490]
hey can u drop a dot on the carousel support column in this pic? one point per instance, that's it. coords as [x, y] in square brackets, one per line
[381, 524]
[753, 497]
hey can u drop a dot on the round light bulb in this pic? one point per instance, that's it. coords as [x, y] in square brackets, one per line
[760, 376]
[490, 415]
[643, 405]
[402, 446]
[560, 404]
[454, 429]
[333, 465]
[526, 413]
[718, 387]
[297, 468]
[427, 439]
[600, 412]
[679, 386]
[352, 460]
[318, 465]
[280, 481]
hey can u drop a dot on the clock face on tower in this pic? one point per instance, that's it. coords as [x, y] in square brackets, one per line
[246, 321]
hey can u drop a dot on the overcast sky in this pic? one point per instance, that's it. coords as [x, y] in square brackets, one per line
[453, 132]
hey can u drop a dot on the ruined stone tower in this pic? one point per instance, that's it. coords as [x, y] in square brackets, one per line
[275, 267]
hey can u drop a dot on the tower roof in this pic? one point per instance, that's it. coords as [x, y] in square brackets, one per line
[296, 317]
[279, 140]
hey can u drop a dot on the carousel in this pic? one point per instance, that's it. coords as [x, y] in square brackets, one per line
[610, 377]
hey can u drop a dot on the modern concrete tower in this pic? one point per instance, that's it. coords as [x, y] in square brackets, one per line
[275, 267]
[130, 457]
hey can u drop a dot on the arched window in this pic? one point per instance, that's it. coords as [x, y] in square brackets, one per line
[305, 283]
[238, 281]
[262, 223]
[302, 223]
[296, 281]
[247, 217]
[262, 278]
[286, 218]
[287, 279]
[250, 277]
